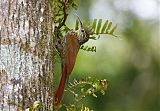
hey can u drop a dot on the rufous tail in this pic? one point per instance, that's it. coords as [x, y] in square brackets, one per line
[60, 90]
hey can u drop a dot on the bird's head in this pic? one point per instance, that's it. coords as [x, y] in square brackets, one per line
[83, 33]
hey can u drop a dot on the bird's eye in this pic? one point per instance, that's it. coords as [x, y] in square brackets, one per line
[82, 30]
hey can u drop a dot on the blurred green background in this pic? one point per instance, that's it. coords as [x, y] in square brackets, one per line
[131, 62]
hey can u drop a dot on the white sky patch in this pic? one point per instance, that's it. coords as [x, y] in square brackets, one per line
[145, 8]
[100, 9]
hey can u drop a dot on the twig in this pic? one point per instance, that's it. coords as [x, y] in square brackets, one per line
[64, 13]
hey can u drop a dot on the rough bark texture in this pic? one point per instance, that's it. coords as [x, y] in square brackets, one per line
[26, 54]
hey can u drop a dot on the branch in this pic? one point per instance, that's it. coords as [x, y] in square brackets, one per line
[64, 13]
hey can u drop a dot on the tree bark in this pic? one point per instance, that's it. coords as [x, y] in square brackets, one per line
[27, 53]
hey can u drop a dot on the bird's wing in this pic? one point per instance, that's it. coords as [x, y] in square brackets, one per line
[72, 48]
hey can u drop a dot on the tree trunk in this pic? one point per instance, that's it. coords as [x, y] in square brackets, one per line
[26, 54]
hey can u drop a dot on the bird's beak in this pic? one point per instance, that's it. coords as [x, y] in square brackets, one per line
[79, 20]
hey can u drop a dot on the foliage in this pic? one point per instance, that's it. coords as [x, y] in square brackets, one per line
[83, 88]
[88, 86]
[97, 28]
[62, 9]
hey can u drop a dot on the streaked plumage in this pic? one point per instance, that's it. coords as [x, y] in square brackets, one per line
[71, 44]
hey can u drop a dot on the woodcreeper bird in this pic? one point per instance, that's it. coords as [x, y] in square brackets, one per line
[71, 43]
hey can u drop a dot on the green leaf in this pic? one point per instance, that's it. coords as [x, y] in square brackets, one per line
[113, 29]
[89, 49]
[108, 28]
[99, 26]
[93, 49]
[66, 29]
[94, 25]
[85, 48]
[84, 23]
[76, 25]
[82, 46]
[74, 5]
[104, 26]
[89, 25]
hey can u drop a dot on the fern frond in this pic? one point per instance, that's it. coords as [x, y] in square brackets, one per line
[84, 108]
[87, 48]
[84, 23]
[108, 27]
[94, 25]
[95, 86]
[82, 88]
[99, 26]
[95, 37]
[76, 25]
[112, 30]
